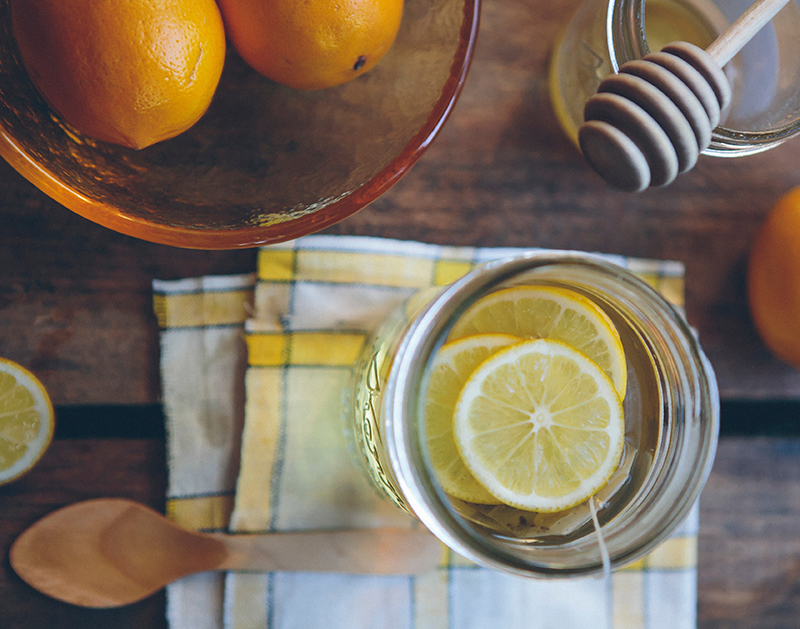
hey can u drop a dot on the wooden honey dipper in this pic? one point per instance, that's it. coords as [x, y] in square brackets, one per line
[650, 121]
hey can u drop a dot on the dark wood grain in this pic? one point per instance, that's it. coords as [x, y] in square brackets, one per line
[749, 549]
[75, 307]
[75, 297]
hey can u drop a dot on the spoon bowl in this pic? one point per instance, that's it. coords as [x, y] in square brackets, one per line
[111, 552]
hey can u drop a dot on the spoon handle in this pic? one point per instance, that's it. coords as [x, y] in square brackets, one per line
[725, 47]
[362, 551]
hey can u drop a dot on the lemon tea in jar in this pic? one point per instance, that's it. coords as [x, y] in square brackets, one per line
[532, 400]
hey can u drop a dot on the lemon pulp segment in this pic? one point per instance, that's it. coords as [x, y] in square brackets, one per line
[451, 367]
[540, 426]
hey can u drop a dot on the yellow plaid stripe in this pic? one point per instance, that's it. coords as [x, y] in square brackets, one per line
[448, 271]
[248, 600]
[675, 553]
[160, 309]
[181, 310]
[344, 267]
[672, 288]
[319, 348]
[332, 349]
[201, 512]
[265, 397]
[267, 350]
[276, 265]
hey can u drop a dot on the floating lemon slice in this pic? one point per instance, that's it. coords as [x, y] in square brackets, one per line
[548, 312]
[26, 420]
[451, 367]
[540, 426]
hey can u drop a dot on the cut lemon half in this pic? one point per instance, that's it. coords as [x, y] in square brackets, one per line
[540, 426]
[450, 368]
[26, 420]
[548, 312]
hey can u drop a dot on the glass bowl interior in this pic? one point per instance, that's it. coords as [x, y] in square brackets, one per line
[266, 163]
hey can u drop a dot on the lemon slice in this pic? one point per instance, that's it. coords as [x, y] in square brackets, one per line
[548, 312]
[26, 420]
[540, 426]
[450, 368]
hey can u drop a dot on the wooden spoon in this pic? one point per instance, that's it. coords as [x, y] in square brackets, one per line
[650, 121]
[112, 552]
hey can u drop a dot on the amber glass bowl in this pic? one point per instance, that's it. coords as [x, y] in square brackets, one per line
[266, 163]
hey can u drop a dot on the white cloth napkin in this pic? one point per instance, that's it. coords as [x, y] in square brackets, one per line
[314, 302]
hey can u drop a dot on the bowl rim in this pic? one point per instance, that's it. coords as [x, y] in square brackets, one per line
[248, 237]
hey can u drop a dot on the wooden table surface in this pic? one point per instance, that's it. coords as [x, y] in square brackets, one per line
[75, 308]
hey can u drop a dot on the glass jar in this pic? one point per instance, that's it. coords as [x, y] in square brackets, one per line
[671, 421]
[764, 76]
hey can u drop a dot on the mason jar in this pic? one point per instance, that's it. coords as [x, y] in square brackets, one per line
[764, 76]
[671, 414]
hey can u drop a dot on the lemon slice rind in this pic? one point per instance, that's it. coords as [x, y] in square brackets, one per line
[450, 369]
[550, 312]
[23, 399]
[540, 426]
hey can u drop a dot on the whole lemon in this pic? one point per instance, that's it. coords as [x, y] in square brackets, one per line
[773, 280]
[131, 72]
[315, 44]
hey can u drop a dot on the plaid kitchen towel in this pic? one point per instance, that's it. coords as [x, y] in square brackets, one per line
[315, 301]
[203, 362]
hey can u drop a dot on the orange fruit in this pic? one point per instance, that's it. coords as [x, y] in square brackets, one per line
[773, 281]
[131, 72]
[312, 45]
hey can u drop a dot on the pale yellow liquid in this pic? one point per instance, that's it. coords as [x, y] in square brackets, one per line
[642, 405]
[665, 21]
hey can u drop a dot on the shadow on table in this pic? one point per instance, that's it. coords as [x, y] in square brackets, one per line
[739, 418]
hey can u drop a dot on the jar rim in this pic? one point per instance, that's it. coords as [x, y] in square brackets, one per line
[626, 38]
